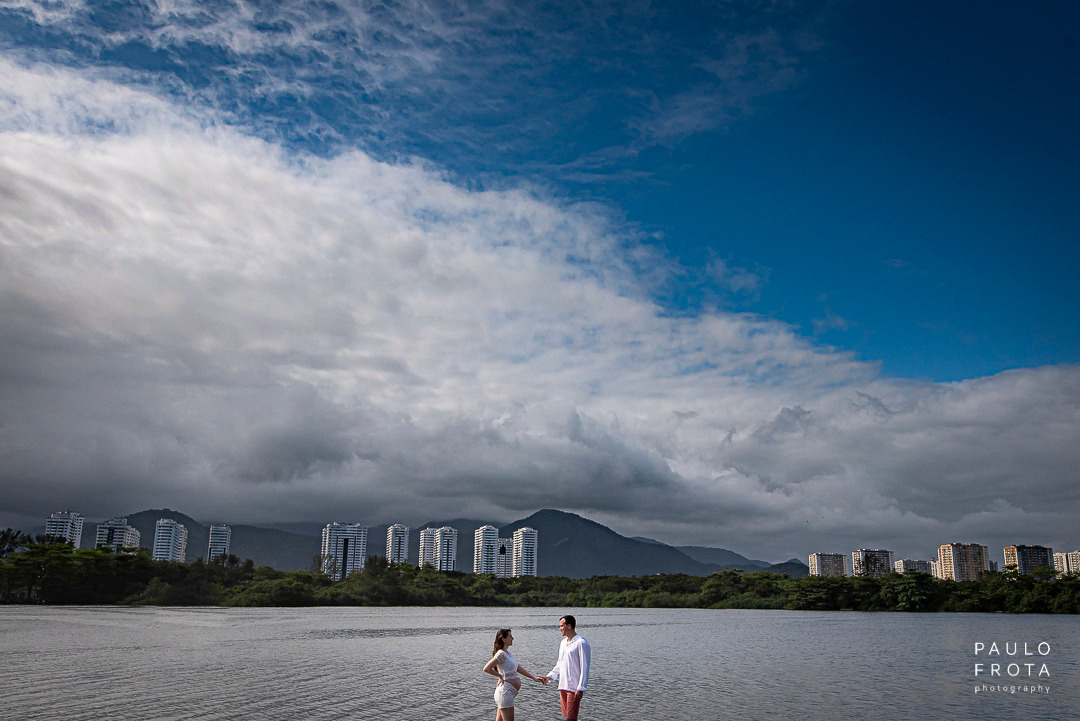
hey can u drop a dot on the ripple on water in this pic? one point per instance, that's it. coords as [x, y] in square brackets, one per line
[425, 663]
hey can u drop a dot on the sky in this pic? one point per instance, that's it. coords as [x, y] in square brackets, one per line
[778, 277]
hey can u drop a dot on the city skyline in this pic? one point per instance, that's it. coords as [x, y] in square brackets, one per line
[789, 276]
[397, 547]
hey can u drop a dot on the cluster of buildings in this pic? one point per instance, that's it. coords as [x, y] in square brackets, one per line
[344, 545]
[955, 562]
[344, 549]
[170, 537]
[504, 557]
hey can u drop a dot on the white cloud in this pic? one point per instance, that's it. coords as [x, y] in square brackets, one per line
[191, 317]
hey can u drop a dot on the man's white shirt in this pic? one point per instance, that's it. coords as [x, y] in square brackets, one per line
[572, 668]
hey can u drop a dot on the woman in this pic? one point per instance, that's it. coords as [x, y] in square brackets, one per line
[503, 666]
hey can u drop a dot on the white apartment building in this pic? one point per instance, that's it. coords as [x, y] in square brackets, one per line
[872, 562]
[445, 549]
[344, 549]
[911, 565]
[67, 525]
[220, 541]
[1061, 563]
[1067, 562]
[170, 541]
[397, 543]
[426, 554]
[526, 542]
[504, 558]
[116, 534]
[962, 561]
[828, 564]
[485, 549]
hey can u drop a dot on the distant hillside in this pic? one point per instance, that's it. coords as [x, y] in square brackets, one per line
[278, 549]
[722, 557]
[579, 548]
[794, 568]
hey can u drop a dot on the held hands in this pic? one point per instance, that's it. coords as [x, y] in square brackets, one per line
[543, 680]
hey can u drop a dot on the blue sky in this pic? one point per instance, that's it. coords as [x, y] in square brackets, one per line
[744, 259]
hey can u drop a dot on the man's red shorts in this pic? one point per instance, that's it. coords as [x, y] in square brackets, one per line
[569, 704]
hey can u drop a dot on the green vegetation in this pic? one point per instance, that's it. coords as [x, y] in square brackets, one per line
[52, 572]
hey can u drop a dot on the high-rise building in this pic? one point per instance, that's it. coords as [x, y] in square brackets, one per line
[526, 542]
[485, 549]
[426, 553]
[504, 558]
[445, 549]
[170, 541]
[397, 543]
[1067, 562]
[116, 534]
[1025, 559]
[872, 562]
[67, 525]
[828, 564]
[962, 561]
[908, 565]
[344, 549]
[220, 540]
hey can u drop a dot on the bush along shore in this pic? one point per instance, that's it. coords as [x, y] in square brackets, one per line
[54, 573]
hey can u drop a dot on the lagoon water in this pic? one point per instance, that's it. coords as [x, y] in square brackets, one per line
[425, 663]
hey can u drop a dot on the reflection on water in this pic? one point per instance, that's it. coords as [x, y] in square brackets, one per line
[425, 663]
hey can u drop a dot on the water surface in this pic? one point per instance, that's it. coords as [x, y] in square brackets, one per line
[425, 663]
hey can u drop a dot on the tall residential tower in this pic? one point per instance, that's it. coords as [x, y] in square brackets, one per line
[485, 549]
[426, 552]
[344, 549]
[445, 558]
[1065, 563]
[1027, 558]
[504, 558]
[170, 541]
[962, 561]
[828, 564]
[116, 534]
[220, 540]
[526, 542]
[873, 562]
[67, 525]
[397, 543]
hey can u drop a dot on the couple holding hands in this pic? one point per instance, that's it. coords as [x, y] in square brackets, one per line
[571, 671]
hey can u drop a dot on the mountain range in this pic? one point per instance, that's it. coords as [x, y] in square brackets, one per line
[569, 545]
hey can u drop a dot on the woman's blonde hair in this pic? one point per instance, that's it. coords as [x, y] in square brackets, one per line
[500, 638]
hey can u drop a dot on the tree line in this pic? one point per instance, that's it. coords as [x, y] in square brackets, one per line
[42, 570]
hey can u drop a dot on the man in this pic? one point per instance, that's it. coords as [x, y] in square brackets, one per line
[572, 668]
